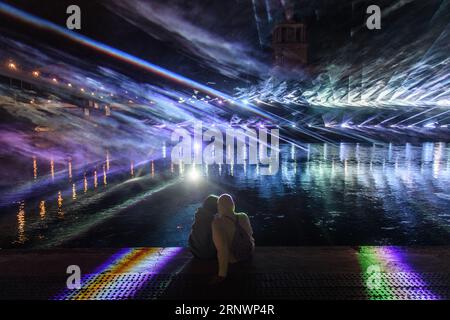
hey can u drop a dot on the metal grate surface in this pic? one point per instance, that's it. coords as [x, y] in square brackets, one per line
[317, 286]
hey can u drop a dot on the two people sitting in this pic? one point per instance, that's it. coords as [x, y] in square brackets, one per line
[218, 231]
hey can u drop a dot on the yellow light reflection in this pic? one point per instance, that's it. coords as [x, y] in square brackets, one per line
[35, 170]
[52, 169]
[42, 210]
[21, 223]
[60, 199]
[104, 175]
[60, 204]
[85, 183]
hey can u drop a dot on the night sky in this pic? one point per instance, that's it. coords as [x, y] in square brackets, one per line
[232, 19]
[329, 24]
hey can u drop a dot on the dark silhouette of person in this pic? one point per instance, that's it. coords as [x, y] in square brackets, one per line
[200, 239]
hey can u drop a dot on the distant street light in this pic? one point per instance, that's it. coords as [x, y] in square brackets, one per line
[12, 66]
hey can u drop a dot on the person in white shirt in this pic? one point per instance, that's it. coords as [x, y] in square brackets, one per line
[232, 235]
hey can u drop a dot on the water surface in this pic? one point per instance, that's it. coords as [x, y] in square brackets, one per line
[322, 194]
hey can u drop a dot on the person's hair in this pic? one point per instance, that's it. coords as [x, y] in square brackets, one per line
[226, 203]
[210, 203]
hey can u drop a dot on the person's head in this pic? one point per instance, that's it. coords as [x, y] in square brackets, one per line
[210, 204]
[225, 204]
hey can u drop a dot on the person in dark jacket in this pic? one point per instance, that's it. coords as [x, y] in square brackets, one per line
[200, 239]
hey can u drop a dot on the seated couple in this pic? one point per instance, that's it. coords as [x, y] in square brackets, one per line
[218, 231]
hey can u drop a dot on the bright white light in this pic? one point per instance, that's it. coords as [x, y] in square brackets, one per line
[443, 103]
[193, 175]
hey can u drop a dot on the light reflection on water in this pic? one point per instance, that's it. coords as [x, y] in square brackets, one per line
[334, 194]
[35, 172]
[21, 237]
[42, 209]
[85, 184]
